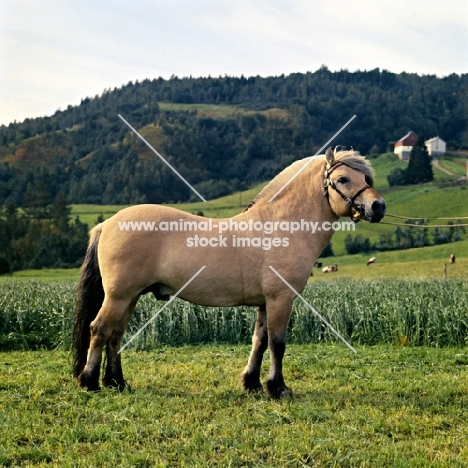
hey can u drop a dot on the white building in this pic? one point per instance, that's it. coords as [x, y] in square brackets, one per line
[436, 146]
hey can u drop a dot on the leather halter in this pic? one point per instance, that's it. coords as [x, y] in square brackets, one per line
[358, 207]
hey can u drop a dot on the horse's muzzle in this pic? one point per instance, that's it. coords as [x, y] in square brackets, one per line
[376, 211]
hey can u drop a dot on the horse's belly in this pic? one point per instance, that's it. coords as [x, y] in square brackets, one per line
[220, 291]
[222, 300]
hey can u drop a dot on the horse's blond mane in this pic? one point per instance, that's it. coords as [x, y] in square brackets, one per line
[351, 158]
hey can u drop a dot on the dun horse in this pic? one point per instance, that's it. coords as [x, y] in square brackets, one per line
[121, 265]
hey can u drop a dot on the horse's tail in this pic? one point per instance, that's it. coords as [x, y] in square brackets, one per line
[90, 295]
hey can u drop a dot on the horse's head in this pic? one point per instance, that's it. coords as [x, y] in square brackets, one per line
[350, 178]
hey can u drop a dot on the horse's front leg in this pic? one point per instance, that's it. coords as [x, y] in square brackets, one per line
[250, 378]
[278, 313]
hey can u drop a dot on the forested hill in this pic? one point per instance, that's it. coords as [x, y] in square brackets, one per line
[222, 134]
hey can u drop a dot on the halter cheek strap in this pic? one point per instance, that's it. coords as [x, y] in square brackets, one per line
[358, 207]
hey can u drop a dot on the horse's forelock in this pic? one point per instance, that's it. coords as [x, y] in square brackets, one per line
[354, 160]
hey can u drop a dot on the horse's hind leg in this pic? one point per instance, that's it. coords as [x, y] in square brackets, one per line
[250, 378]
[102, 327]
[113, 376]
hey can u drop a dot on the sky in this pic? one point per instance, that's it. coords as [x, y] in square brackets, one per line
[54, 53]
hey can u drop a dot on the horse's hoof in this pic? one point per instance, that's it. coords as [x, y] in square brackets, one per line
[91, 388]
[116, 385]
[251, 384]
[286, 392]
[278, 391]
[95, 389]
[85, 383]
[254, 389]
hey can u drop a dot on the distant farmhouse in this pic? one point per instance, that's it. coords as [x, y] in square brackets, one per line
[404, 145]
[435, 146]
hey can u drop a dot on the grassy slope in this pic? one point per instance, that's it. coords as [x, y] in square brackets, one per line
[385, 406]
[456, 166]
[425, 262]
[223, 207]
[221, 111]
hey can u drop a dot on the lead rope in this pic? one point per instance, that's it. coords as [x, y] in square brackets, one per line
[425, 219]
[410, 217]
[424, 225]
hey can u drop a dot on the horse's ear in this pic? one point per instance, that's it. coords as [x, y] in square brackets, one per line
[330, 156]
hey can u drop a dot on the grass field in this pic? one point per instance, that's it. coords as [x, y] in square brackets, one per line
[385, 406]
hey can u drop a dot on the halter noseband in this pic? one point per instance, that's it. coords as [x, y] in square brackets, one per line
[359, 208]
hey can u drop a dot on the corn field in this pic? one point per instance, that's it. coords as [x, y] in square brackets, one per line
[39, 315]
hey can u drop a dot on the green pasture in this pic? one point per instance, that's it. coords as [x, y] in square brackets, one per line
[455, 165]
[45, 274]
[426, 262]
[89, 214]
[223, 207]
[385, 406]
[220, 111]
[209, 110]
[383, 165]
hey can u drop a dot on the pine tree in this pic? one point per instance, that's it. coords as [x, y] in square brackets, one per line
[419, 166]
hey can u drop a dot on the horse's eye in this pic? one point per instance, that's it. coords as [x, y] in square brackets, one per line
[342, 180]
